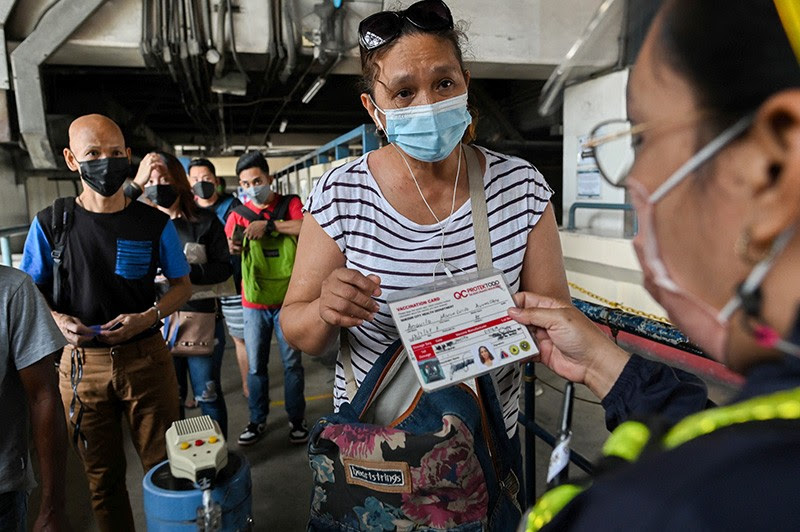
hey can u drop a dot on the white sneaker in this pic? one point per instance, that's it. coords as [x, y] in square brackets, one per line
[252, 433]
[298, 432]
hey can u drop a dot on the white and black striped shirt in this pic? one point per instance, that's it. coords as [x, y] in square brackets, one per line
[376, 239]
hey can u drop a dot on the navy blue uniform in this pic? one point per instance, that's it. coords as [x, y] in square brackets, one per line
[740, 477]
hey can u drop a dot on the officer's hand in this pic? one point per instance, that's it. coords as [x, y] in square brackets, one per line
[126, 326]
[234, 246]
[346, 298]
[569, 343]
[75, 332]
[257, 230]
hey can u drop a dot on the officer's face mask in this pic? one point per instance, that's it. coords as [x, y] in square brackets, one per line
[105, 176]
[162, 195]
[704, 325]
[427, 133]
[204, 189]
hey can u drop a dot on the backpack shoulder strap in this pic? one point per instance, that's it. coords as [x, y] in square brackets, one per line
[282, 208]
[247, 213]
[480, 219]
[222, 208]
[63, 213]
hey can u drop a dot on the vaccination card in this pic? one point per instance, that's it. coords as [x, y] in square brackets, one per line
[456, 329]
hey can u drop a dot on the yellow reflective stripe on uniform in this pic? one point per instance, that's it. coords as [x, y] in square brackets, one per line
[789, 12]
[627, 441]
[780, 405]
[549, 505]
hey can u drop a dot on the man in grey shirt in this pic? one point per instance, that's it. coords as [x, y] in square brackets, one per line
[28, 340]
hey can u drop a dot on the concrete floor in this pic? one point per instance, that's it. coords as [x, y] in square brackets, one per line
[280, 472]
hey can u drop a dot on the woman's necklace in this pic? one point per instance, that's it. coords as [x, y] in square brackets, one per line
[443, 227]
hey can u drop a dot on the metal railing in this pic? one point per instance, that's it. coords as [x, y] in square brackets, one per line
[339, 148]
[600, 206]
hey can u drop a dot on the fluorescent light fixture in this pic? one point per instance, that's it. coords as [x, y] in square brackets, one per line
[231, 83]
[313, 89]
[282, 127]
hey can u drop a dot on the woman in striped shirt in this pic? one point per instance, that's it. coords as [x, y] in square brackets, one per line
[383, 222]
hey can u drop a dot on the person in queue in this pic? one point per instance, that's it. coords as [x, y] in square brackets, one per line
[116, 362]
[713, 166]
[209, 191]
[376, 226]
[30, 343]
[168, 189]
[261, 319]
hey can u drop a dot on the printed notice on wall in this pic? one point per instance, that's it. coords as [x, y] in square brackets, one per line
[589, 178]
[457, 330]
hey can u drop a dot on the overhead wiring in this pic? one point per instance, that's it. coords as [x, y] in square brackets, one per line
[234, 53]
[286, 101]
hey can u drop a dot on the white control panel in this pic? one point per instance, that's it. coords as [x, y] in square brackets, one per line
[196, 449]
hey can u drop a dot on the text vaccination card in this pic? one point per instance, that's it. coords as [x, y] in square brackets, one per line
[454, 330]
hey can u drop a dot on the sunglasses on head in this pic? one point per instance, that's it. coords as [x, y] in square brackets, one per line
[381, 28]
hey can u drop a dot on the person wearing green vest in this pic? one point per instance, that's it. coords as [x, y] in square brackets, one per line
[264, 232]
[710, 156]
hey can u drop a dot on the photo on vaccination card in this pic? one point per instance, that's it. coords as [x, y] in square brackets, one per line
[458, 329]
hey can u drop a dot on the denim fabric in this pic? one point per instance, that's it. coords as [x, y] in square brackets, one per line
[258, 327]
[201, 371]
[13, 511]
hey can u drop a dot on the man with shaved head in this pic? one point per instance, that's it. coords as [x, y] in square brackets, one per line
[95, 259]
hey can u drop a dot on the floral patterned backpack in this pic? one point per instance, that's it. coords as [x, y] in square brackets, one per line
[444, 463]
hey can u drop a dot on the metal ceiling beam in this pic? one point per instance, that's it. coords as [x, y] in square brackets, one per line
[5, 8]
[51, 32]
[307, 141]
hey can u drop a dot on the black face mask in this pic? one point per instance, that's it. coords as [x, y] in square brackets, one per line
[105, 176]
[161, 195]
[204, 189]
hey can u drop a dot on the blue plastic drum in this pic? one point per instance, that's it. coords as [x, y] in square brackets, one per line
[170, 504]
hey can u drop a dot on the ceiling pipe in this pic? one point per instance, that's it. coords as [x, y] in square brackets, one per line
[289, 39]
[52, 31]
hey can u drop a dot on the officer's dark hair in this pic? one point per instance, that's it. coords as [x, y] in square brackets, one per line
[734, 52]
[252, 159]
[205, 163]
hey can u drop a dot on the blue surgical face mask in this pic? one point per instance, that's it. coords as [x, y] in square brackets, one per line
[427, 133]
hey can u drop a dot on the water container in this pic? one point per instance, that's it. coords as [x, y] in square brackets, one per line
[170, 504]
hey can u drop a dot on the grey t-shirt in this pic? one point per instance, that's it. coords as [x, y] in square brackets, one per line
[27, 334]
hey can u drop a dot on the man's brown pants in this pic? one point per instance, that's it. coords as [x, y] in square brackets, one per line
[135, 380]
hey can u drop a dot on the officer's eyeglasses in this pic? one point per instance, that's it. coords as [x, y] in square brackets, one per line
[613, 144]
